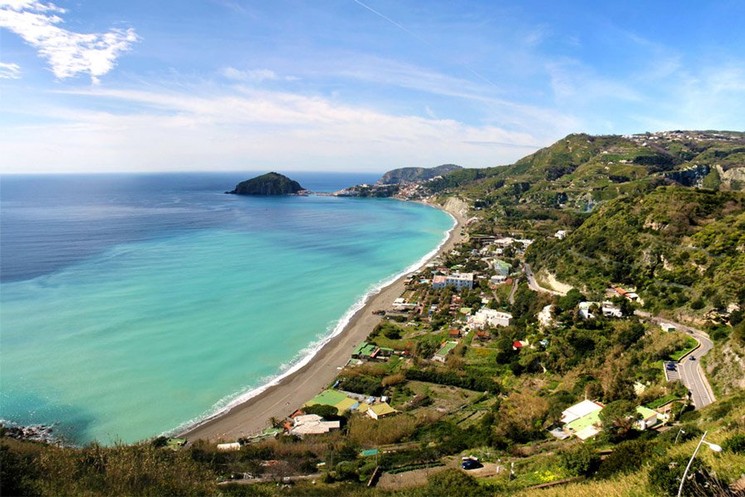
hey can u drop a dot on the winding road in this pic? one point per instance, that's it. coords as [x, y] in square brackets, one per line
[533, 284]
[691, 373]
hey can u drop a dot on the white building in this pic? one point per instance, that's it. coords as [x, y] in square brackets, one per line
[584, 309]
[312, 424]
[610, 310]
[579, 410]
[400, 304]
[561, 234]
[489, 317]
[229, 447]
[456, 280]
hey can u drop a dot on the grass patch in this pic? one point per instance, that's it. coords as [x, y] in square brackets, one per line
[662, 401]
[690, 345]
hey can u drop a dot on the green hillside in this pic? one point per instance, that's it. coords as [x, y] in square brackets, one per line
[678, 247]
[559, 185]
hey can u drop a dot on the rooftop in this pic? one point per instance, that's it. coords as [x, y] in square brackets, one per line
[446, 348]
[579, 410]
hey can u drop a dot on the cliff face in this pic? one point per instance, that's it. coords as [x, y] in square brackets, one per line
[268, 184]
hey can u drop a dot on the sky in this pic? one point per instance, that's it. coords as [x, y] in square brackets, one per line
[352, 85]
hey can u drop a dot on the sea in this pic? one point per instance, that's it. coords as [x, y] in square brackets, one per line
[133, 305]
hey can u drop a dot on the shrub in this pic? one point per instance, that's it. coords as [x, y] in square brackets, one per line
[665, 476]
[453, 482]
[626, 457]
[580, 461]
[327, 412]
[735, 443]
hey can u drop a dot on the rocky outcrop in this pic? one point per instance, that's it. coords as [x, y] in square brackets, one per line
[268, 184]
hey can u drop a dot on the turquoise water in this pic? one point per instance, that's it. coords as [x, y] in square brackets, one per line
[165, 326]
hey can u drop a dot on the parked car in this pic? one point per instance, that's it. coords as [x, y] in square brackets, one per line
[470, 464]
[670, 366]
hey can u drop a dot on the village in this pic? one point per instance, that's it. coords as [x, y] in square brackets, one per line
[460, 317]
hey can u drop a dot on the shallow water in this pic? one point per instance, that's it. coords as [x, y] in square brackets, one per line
[132, 304]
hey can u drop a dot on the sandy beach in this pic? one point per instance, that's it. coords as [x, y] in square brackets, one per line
[281, 400]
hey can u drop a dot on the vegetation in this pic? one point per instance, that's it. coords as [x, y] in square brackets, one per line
[268, 184]
[660, 214]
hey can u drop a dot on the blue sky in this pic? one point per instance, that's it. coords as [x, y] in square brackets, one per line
[350, 84]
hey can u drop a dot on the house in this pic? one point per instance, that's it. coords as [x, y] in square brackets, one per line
[504, 242]
[498, 279]
[456, 280]
[380, 410]
[489, 317]
[561, 234]
[366, 351]
[454, 333]
[229, 447]
[519, 344]
[649, 418]
[312, 424]
[579, 410]
[400, 304]
[483, 335]
[582, 420]
[610, 310]
[584, 309]
[501, 267]
[632, 296]
[445, 349]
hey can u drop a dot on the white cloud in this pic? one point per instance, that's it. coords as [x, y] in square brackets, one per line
[67, 52]
[9, 71]
[249, 129]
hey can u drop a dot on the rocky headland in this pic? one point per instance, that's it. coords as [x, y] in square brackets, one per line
[268, 184]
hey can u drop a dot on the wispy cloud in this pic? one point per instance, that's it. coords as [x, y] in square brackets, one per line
[574, 83]
[67, 52]
[249, 75]
[9, 71]
[248, 129]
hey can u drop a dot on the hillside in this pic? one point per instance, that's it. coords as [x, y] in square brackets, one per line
[560, 184]
[267, 184]
[414, 174]
[676, 246]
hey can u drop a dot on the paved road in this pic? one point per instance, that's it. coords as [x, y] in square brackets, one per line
[533, 284]
[690, 370]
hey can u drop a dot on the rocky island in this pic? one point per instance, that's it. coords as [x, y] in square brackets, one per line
[268, 184]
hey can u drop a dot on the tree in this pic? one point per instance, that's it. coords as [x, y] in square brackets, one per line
[618, 419]
[570, 300]
[521, 416]
[327, 412]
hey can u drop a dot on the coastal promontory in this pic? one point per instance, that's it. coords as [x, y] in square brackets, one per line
[268, 184]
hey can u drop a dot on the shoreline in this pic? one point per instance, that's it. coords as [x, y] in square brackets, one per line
[280, 398]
